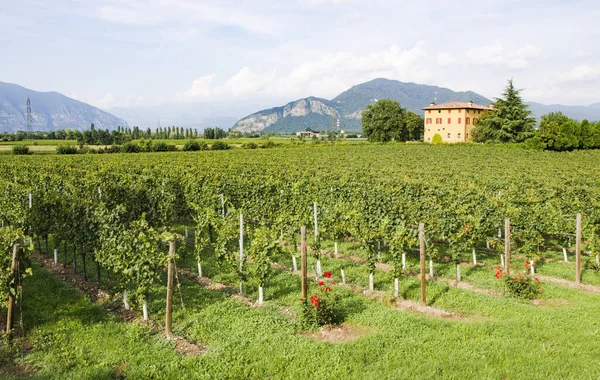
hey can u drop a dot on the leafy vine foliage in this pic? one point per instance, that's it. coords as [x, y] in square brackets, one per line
[133, 250]
[116, 208]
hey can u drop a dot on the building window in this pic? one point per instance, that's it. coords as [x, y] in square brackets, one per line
[449, 111]
[438, 120]
[468, 120]
[429, 139]
[467, 135]
[448, 135]
[428, 129]
[459, 135]
[429, 120]
[449, 121]
[475, 120]
[439, 111]
[459, 120]
[479, 111]
[459, 111]
[428, 111]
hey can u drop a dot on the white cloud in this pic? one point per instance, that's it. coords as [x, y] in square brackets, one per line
[139, 12]
[109, 101]
[324, 77]
[445, 59]
[330, 2]
[497, 55]
[584, 73]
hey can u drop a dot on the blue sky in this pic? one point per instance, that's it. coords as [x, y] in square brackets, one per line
[146, 53]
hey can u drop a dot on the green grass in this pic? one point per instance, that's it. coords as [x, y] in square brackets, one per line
[498, 336]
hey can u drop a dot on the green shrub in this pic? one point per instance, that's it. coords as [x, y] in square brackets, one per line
[160, 146]
[195, 145]
[219, 145]
[323, 307]
[268, 144]
[437, 139]
[145, 145]
[130, 147]
[250, 145]
[21, 150]
[521, 285]
[113, 149]
[66, 149]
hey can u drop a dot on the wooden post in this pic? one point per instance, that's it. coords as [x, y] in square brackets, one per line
[578, 251]
[507, 244]
[422, 250]
[315, 218]
[241, 251]
[304, 263]
[169, 310]
[11, 298]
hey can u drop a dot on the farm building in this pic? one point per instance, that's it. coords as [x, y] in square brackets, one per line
[452, 121]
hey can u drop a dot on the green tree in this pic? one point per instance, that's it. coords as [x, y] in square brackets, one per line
[559, 132]
[511, 121]
[415, 126]
[385, 121]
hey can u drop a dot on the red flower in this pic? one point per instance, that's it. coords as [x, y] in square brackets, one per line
[537, 279]
[301, 299]
[499, 274]
[333, 283]
[327, 274]
[328, 289]
[314, 300]
[498, 267]
[526, 264]
[321, 283]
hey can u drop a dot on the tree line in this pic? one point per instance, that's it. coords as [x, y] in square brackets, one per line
[512, 122]
[118, 136]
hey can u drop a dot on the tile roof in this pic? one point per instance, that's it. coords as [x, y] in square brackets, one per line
[452, 105]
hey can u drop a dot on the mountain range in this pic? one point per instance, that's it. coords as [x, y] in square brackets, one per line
[49, 111]
[52, 111]
[323, 114]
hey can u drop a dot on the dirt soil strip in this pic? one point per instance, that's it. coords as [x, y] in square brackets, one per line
[97, 295]
[571, 284]
[388, 268]
[338, 334]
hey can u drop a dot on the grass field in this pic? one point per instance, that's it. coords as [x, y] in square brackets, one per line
[490, 337]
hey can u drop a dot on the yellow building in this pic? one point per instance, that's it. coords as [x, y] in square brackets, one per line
[453, 121]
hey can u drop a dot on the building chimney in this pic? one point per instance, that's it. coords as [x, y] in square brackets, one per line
[431, 104]
[470, 103]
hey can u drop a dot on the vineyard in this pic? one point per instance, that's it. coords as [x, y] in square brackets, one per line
[361, 261]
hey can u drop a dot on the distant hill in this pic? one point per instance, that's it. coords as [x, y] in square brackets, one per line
[591, 112]
[294, 116]
[321, 114]
[49, 111]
